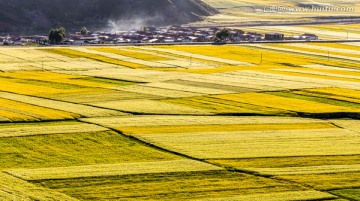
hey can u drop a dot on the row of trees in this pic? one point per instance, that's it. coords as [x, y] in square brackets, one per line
[57, 35]
[222, 35]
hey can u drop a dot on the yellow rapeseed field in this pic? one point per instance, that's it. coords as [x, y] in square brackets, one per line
[250, 144]
[8, 116]
[199, 122]
[281, 162]
[221, 128]
[73, 149]
[285, 196]
[339, 92]
[127, 52]
[353, 125]
[322, 169]
[76, 110]
[149, 107]
[79, 54]
[171, 186]
[182, 120]
[36, 112]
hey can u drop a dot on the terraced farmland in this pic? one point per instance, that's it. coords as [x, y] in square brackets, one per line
[180, 122]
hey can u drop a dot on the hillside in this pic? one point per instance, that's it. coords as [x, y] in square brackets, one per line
[271, 12]
[39, 15]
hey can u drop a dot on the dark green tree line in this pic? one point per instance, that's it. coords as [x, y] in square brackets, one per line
[56, 36]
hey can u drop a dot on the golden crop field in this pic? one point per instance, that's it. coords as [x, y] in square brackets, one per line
[252, 144]
[199, 122]
[169, 186]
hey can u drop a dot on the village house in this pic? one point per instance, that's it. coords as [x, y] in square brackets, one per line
[274, 36]
[308, 36]
[253, 36]
[68, 42]
[18, 42]
[236, 35]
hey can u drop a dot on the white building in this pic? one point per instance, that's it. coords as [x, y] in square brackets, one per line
[307, 36]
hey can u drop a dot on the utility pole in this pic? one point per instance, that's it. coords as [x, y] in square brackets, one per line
[261, 58]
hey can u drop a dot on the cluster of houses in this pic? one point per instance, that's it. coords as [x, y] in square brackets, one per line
[22, 40]
[173, 34]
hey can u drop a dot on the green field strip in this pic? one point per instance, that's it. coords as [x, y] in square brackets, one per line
[48, 130]
[75, 149]
[280, 162]
[283, 196]
[353, 194]
[323, 169]
[12, 188]
[106, 170]
[331, 181]
[169, 186]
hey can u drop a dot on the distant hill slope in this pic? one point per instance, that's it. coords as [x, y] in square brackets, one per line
[33, 15]
[277, 11]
